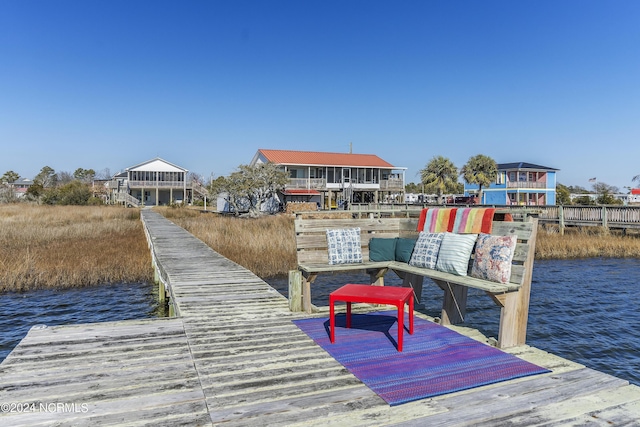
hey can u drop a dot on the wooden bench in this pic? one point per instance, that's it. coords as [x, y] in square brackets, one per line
[512, 297]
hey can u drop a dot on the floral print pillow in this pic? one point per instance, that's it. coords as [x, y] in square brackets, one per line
[493, 258]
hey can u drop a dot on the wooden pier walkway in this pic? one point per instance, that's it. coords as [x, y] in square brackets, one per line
[233, 357]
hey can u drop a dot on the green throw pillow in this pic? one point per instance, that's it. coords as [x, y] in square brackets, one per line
[381, 249]
[404, 248]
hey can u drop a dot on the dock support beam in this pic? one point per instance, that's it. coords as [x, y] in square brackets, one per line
[295, 290]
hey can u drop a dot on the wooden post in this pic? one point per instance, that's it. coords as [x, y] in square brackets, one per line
[415, 281]
[376, 276]
[307, 279]
[295, 290]
[514, 314]
[605, 224]
[162, 296]
[454, 306]
[561, 220]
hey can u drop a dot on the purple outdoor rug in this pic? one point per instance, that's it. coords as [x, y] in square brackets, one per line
[434, 361]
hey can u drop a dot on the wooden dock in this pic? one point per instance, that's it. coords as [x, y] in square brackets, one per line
[233, 357]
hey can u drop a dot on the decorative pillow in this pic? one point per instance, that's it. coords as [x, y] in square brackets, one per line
[425, 253]
[404, 248]
[455, 253]
[493, 258]
[381, 249]
[344, 246]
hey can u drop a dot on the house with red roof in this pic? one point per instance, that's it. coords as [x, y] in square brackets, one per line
[336, 179]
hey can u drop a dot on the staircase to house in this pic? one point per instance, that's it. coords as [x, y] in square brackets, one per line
[127, 199]
[347, 192]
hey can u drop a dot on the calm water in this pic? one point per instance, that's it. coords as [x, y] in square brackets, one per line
[583, 310]
[587, 311]
[21, 311]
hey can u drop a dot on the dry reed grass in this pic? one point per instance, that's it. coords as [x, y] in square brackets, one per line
[586, 242]
[70, 246]
[265, 245]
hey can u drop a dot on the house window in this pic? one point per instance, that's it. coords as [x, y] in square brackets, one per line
[532, 176]
[500, 178]
[293, 173]
[512, 176]
[522, 176]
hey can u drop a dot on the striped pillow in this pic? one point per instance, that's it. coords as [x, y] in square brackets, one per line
[455, 253]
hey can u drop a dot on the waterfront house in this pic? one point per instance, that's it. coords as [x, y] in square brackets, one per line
[519, 184]
[336, 179]
[21, 186]
[153, 183]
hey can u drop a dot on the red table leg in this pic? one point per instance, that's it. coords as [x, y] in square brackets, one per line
[400, 324]
[332, 320]
[411, 314]
[348, 315]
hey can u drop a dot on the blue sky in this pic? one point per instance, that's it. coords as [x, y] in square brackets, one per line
[205, 84]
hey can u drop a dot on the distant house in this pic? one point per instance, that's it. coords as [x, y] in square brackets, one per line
[519, 184]
[21, 186]
[336, 179]
[152, 183]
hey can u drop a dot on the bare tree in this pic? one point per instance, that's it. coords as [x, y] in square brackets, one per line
[250, 187]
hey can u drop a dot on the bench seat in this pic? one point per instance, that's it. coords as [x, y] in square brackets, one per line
[468, 281]
[512, 297]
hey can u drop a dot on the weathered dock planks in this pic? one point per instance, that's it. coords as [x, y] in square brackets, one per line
[234, 358]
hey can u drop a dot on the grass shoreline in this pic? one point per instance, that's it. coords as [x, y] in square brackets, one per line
[73, 246]
[57, 247]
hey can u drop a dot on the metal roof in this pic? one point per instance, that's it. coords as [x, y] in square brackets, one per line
[300, 192]
[523, 165]
[157, 165]
[317, 158]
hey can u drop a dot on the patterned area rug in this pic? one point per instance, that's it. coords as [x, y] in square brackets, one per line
[434, 361]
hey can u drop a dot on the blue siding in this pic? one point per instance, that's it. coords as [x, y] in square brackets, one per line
[498, 194]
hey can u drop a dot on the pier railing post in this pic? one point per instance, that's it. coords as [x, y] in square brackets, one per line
[295, 290]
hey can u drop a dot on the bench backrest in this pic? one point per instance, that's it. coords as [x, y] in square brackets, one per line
[311, 238]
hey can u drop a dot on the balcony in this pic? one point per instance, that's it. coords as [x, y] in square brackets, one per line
[526, 184]
[158, 184]
[393, 184]
[307, 183]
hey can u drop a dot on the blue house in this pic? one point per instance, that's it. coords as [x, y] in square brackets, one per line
[519, 184]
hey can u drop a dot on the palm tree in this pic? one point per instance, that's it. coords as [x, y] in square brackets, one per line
[439, 176]
[636, 178]
[481, 170]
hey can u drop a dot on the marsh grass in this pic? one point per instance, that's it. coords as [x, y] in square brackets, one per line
[586, 242]
[61, 247]
[264, 245]
[70, 246]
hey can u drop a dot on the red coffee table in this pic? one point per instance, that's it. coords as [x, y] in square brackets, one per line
[373, 295]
